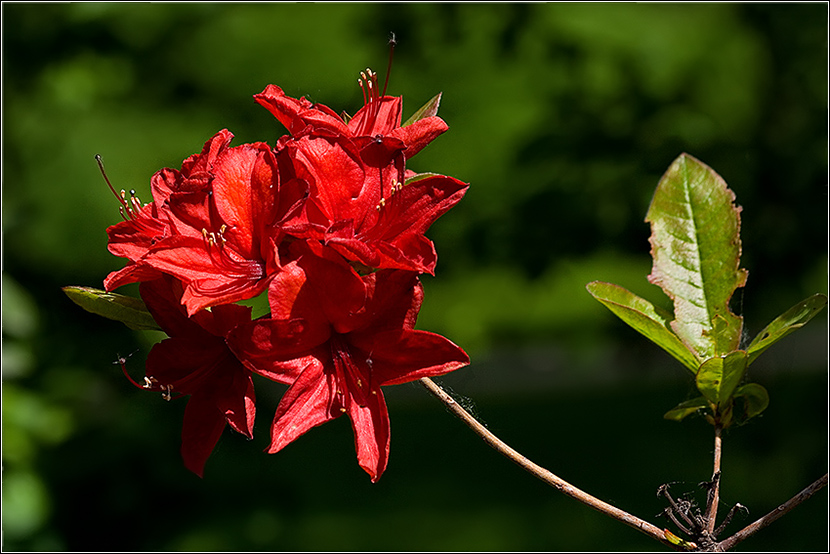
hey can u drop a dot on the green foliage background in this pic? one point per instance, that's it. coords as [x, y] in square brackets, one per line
[562, 117]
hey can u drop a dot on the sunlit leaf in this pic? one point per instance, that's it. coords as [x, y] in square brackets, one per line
[646, 318]
[130, 311]
[427, 110]
[696, 249]
[794, 318]
[417, 177]
[677, 541]
[755, 400]
[687, 408]
[718, 377]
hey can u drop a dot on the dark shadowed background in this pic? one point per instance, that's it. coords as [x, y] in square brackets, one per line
[562, 118]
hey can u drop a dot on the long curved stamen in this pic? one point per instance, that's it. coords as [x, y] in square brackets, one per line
[120, 197]
[130, 210]
[150, 383]
[392, 44]
[396, 187]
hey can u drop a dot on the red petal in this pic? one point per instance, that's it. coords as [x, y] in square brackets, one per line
[416, 206]
[199, 165]
[297, 114]
[310, 401]
[404, 356]
[379, 117]
[203, 425]
[245, 190]
[420, 133]
[322, 290]
[371, 433]
[211, 279]
[338, 183]
[131, 273]
[163, 299]
[393, 298]
[238, 403]
[277, 349]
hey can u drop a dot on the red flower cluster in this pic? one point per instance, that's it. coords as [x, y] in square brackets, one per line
[331, 223]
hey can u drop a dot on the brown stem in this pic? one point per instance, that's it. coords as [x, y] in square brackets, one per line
[753, 528]
[714, 494]
[542, 473]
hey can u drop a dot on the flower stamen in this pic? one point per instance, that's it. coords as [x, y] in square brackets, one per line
[369, 85]
[243, 271]
[396, 187]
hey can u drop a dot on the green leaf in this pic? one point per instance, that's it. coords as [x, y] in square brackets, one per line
[130, 311]
[427, 110]
[418, 177]
[687, 408]
[646, 318]
[696, 248]
[794, 318]
[755, 400]
[718, 377]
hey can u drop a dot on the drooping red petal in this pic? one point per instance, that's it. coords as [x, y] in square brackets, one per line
[312, 400]
[238, 403]
[370, 423]
[202, 427]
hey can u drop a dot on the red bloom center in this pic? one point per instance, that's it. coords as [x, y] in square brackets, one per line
[349, 374]
[241, 272]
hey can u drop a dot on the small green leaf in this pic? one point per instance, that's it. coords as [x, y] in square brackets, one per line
[686, 408]
[696, 248]
[130, 311]
[755, 400]
[794, 318]
[677, 541]
[427, 110]
[646, 318]
[718, 377]
[418, 177]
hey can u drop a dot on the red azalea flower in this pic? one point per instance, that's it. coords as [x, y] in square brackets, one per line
[196, 361]
[224, 245]
[376, 127]
[144, 226]
[336, 338]
[378, 223]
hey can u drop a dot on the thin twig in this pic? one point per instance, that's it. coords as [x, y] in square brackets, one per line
[753, 528]
[714, 493]
[542, 473]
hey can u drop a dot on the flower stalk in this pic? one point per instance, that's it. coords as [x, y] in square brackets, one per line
[714, 492]
[543, 474]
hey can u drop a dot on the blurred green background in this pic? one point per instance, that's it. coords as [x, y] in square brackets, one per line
[562, 117]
